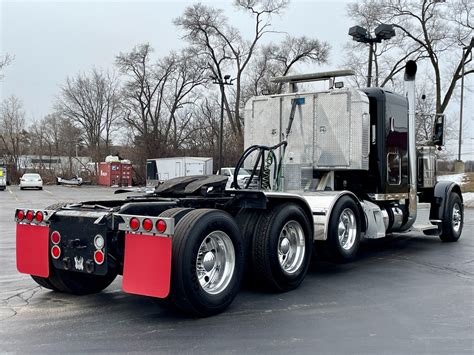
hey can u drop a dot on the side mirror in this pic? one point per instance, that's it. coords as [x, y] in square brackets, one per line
[438, 130]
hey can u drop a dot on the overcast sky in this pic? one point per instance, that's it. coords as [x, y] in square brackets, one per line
[53, 40]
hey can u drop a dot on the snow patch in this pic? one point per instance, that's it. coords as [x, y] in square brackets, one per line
[468, 199]
[457, 178]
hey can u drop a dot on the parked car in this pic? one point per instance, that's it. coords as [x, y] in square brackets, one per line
[242, 178]
[31, 180]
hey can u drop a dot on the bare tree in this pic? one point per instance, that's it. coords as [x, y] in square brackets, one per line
[5, 60]
[92, 102]
[13, 136]
[157, 97]
[278, 59]
[211, 35]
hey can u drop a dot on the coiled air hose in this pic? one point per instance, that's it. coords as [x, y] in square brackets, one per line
[265, 164]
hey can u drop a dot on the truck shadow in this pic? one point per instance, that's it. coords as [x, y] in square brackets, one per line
[252, 300]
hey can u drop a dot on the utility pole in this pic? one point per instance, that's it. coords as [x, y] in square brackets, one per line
[464, 49]
[222, 83]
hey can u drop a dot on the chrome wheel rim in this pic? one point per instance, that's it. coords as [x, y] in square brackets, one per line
[215, 262]
[291, 247]
[457, 217]
[347, 229]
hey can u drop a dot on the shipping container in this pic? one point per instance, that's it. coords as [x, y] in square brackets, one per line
[115, 174]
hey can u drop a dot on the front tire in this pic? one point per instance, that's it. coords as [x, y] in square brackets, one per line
[453, 220]
[344, 231]
[282, 246]
[207, 262]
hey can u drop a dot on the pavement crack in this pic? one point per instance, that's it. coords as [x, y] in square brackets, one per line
[16, 302]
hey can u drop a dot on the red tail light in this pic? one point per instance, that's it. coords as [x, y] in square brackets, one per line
[20, 215]
[99, 257]
[55, 237]
[147, 224]
[134, 223]
[39, 217]
[29, 216]
[161, 226]
[55, 252]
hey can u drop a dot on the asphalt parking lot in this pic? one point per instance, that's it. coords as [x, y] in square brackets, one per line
[406, 294]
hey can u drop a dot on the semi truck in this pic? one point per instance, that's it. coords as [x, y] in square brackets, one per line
[333, 168]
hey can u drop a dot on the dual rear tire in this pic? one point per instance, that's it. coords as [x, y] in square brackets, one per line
[209, 254]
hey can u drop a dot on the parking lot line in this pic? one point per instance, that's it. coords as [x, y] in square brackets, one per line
[49, 192]
[12, 193]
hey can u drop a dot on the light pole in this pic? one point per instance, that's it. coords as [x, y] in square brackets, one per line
[360, 34]
[464, 49]
[227, 81]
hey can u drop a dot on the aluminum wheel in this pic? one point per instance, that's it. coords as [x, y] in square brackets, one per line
[457, 217]
[215, 262]
[291, 247]
[347, 229]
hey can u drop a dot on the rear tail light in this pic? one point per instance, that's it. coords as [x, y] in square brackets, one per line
[147, 224]
[39, 217]
[29, 216]
[161, 226]
[55, 237]
[99, 257]
[20, 215]
[55, 252]
[134, 223]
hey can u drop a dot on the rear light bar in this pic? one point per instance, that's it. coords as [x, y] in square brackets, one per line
[32, 216]
[146, 224]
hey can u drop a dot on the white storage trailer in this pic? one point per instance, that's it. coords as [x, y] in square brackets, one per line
[168, 168]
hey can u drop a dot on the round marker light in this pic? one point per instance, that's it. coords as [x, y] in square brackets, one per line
[55, 237]
[20, 215]
[39, 216]
[147, 224]
[99, 257]
[29, 216]
[99, 241]
[161, 226]
[134, 223]
[55, 252]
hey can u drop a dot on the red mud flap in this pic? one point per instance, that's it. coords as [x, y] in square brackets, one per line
[147, 265]
[32, 249]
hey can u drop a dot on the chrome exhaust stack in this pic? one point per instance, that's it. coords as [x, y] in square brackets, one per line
[410, 75]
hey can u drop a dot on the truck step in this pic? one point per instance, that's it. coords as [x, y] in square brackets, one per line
[423, 222]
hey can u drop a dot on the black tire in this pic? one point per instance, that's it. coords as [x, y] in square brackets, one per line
[44, 282]
[177, 213]
[247, 220]
[78, 283]
[187, 294]
[267, 269]
[332, 248]
[449, 233]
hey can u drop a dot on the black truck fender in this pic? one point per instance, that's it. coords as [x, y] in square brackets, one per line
[441, 193]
